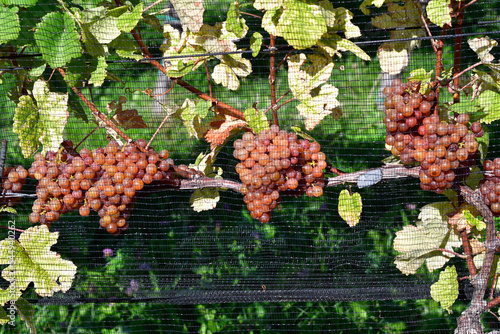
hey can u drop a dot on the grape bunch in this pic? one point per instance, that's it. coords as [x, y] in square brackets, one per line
[276, 161]
[104, 180]
[12, 181]
[444, 150]
[490, 185]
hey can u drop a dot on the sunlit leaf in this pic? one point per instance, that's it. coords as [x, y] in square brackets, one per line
[316, 108]
[9, 24]
[204, 199]
[128, 20]
[98, 76]
[350, 207]
[267, 4]
[366, 3]
[190, 13]
[34, 262]
[438, 11]
[445, 290]
[489, 101]
[473, 221]
[255, 43]
[393, 57]
[256, 120]
[482, 46]
[420, 243]
[57, 39]
[222, 129]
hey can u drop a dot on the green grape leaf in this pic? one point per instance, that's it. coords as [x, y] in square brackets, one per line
[256, 43]
[316, 108]
[346, 45]
[234, 23]
[482, 46]
[26, 125]
[9, 24]
[350, 207]
[98, 76]
[445, 290]
[366, 3]
[190, 13]
[484, 143]
[153, 21]
[419, 243]
[473, 221]
[27, 313]
[267, 4]
[489, 102]
[126, 48]
[20, 3]
[128, 20]
[301, 24]
[57, 39]
[36, 72]
[205, 163]
[92, 45]
[8, 209]
[343, 23]
[424, 78]
[256, 120]
[438, 11]
[4, 318]
[34, 262]
[204, 199]
[302, 81]
[192, 113]
[301, 133]
[105, 30]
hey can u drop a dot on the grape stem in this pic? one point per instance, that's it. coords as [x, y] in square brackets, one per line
[95, 111]
[272, 79]
[13, 229]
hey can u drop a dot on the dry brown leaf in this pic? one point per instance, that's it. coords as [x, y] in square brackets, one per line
[477, 246]
[222, 129]
[459, 222]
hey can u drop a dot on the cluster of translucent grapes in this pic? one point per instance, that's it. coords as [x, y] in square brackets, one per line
[415, 134]
[104, 180]
[276, 161]
[490, 185]
[12, 181]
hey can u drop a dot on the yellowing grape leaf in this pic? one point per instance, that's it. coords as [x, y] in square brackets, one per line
[192, 113]
[393, 56]
[270, 21]
[190, 13]
[445, 290]
[301, 24]
[438, 11]
[366, 3]
[482, 46]
[473, 221]
[419, 243]
[332, 44]
[30, 260]
[204, 199]
[222, 127]
[343, 23]
[350, 207]
[41, 121]
[303, 80]
[267, 4]
[256, 120]
[317, 107]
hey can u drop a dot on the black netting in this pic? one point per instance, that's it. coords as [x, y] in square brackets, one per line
[178, 270]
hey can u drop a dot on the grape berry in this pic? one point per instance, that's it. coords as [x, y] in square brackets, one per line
[416, 134]
[276, 161]
[104, 180]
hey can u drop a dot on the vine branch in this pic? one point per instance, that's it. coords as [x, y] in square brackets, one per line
[272, 79]
[95, 111]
